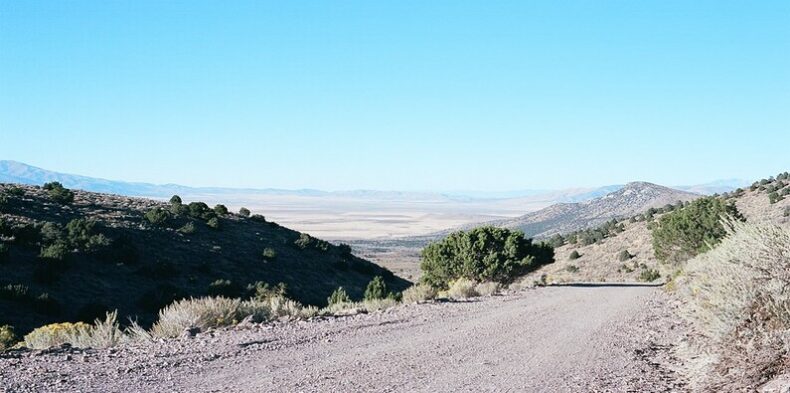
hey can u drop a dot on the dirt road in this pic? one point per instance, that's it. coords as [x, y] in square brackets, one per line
[558, 339]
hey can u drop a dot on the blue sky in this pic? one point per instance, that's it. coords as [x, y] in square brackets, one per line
[406, 95]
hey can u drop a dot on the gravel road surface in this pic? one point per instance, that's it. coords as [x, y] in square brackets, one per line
[554, 339]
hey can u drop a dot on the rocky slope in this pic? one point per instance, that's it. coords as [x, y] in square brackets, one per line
[53, 270]
[634, 198]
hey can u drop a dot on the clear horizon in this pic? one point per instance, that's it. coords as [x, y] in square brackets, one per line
[404, 96]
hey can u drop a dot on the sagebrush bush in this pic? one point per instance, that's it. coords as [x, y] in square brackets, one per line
[574, 255]
[482, 254]
[649, 275]
[419, 293]
[487, 288]
[213, 223]
[54, 334]
[736, 296]
[220, 210]
[462, 288]
[56, 251]
[269, 254]
[7, 337]
[175, 200]
[689, 231]
[244, 212]
[339, 295]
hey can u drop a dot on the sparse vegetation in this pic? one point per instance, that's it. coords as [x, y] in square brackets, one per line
[684, 233]
[574, 255]
[482, 254]
[487, 288]
[244, 212]
[213, 223]
[58, 193]
[339, 295]
[7, 337]
[462, 288]
[157, 216]
[376, 289]
[188, 228]
[736, 296]
[220, 210]
[418, 293]
[571, 268]
[649, 275]
[269, 254]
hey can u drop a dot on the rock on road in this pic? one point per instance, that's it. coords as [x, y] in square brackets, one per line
[554, 339]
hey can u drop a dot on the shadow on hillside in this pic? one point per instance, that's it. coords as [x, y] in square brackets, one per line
[608, 284]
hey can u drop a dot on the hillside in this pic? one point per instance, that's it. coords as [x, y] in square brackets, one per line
[66, 261]
[600, 261]
[634, 198]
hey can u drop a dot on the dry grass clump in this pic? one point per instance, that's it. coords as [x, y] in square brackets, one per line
[462, 288]
[212, 312]
[365, 306]
[487, 288]
[419, 293]
[102, 334]
[737, 296]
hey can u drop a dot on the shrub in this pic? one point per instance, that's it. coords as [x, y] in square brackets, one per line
[418, 293]
[487, 288]
[200, 210]
[7, 337]
[557, 241]
[649, 275]
[58, 193]
[787, 211]
[175, 200]
[692, 230]
[244, 212]
[774, 197]
[81, 235]
[188, 228]
[571, 268]
[736, 296]
[220, 210]
[213, 223]
[157, 216]
[269, 254]
[54, 334]
[56, 251]
[339, 295]
[482, 254]
[303, 241]
[224, 288]
[624, 256]
[462, 288]
[574, 255]
[258, 218]
[376, 289]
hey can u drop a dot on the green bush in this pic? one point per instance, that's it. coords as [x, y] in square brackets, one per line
[624, 256]
[188, 228]
[7, 337]
[649, 275]
[687, 232]
[15, 191]
[220, 210]
[774, 197]
[175, 200]
[244, 212]
[81, 235]
[258, 218]
[157, 216]
[56, 251]
[338, 296]
[572, 269]
[58, 193]
[200, 210]
[482, 254]
[557, 241]
[269, 254]
[376, 289]
[213, 223]
[574, 255]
